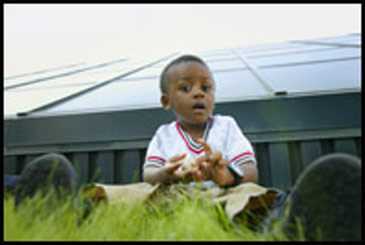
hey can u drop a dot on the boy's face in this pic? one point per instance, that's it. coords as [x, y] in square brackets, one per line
[190, 93]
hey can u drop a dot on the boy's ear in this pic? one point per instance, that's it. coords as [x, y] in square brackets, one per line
[165, 102]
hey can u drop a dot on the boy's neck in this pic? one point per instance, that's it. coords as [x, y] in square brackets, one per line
[195, 131]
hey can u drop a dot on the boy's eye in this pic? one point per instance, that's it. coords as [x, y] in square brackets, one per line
[185, 88]
[206, 87]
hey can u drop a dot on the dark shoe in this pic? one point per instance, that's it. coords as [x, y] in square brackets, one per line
[50, 170]
[327, 200]
[275, 213]
[10, 182]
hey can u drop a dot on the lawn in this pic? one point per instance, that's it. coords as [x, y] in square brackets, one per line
[177, 218]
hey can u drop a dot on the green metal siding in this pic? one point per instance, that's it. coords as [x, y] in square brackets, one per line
[287, 133]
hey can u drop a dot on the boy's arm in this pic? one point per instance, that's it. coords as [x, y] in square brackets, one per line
[154, 175]
[250, 172]
[240, 153]
[167, 173]
[224, 177]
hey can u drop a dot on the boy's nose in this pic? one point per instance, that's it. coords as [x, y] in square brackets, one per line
[198, 93]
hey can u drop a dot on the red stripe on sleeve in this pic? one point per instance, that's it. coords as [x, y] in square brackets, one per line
[241, 155]
[156, 158]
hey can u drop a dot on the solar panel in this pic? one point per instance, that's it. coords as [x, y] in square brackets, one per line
[116, 95]
[243, 73]
[314, 77]
[20, 78]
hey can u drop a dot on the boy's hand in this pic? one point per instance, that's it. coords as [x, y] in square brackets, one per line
[220, 173]
[169, 170]
[172, 175]
[213, 166]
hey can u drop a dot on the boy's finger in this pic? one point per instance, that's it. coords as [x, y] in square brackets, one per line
[192, 174]
[177, 158]
[205, 165]
[186, 175]
[196, 175]
[170, 168]
[216, 156]
[199, 161]
[207, 148]
[179, 175]
[222, 163]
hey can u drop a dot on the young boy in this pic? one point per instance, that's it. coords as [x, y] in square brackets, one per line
[221, 152]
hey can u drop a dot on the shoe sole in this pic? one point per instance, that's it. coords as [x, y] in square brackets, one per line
[327, 199]
[50, 170]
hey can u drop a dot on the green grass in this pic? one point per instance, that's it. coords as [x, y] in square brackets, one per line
[172, 219]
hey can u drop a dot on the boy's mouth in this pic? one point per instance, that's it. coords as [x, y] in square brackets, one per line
[199, 107]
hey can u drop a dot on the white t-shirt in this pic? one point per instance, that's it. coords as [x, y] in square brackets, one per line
[222, 133]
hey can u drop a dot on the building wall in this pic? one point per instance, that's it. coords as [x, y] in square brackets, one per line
[287, 133]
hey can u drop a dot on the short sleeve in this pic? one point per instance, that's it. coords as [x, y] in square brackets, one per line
[238, 148]
[155, 155]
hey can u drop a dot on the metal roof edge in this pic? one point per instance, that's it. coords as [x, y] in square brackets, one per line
[74, 95]
[220, 101]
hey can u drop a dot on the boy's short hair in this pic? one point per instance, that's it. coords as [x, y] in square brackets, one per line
[179, 60]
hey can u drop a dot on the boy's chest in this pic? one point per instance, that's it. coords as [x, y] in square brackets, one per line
[179, 145]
